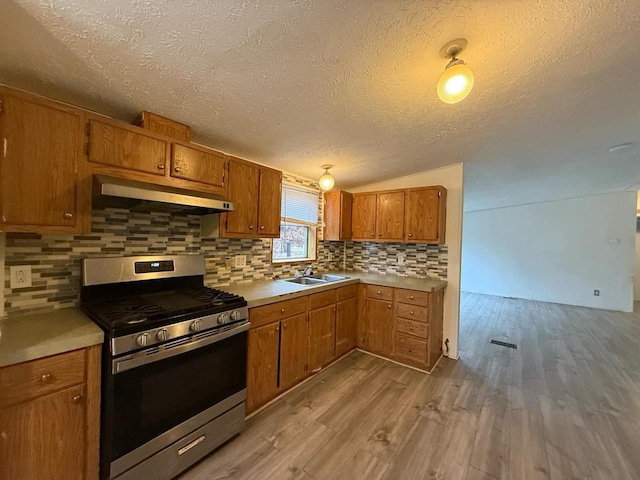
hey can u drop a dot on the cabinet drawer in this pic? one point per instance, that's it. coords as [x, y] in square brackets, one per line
[277, 311]
[383, 293]
[417, 329]
[414, 297]
[347, 292]
[25, 381]
[322, 299]
[410, 347]
[412, 312]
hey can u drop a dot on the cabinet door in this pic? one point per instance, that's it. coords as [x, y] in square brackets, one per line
[322, 329]
[127, 147]
[390, 216]
[346, 209]
[422, 215]
[270, 203]
[378, 326]
[44, 439]
[243, 191]
[346, 325]
[40, 163]
[293, 350]
[364, 216]
[198, 165]
[262, 364]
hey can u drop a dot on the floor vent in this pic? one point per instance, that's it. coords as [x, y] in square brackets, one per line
[504, 344]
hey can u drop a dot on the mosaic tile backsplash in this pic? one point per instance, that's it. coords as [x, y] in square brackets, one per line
[410, 260]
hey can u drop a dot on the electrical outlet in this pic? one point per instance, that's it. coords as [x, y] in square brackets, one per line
[330, 256]
[20, 276]
[227, 262]
[240, 261]
[596, 293]
[400, 259]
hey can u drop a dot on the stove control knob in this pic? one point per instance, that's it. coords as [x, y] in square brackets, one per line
[142, 340]
[195, 326]
[162, 335]
[235, 315]
[223, 318]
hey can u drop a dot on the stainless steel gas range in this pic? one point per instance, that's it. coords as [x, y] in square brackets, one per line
[174, 363]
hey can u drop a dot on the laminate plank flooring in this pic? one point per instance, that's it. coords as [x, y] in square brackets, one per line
[564, 405]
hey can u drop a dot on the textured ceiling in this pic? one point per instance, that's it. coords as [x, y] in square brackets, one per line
[296, 84]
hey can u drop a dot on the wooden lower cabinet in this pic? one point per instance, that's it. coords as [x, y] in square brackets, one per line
[322, 336]
[346, 325]
[293, 350]
[377, 325]
[262, 364]
[50, 417]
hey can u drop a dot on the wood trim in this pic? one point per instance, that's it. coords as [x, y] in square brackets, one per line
[92, 424]
[150, 121]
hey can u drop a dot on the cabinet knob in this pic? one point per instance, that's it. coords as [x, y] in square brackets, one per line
[176, 169]
[282, 310]
[250, 227]
[373, 234]
[284, 325]
[46, 378]
[277, 327]
[261, 227]
[334, 309]
[68, 216]
[388, 306]
[76, 398]
[410, 328]
[379, 234]
[161, 166]
[410, 312]
[410, 297]
[379, 293]
[410, 235]
[410, 351]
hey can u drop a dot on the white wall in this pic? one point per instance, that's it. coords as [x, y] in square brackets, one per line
[556, 251]
[451, 178]
[636, 273]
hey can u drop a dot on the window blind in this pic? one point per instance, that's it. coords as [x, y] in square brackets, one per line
[299, 205]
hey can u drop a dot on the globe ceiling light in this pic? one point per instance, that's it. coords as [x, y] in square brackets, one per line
[456, 81]
[326, 181]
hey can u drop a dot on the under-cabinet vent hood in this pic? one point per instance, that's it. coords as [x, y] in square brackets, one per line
[135, 195]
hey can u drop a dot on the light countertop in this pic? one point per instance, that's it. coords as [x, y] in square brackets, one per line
[264, 292]
[37, 336]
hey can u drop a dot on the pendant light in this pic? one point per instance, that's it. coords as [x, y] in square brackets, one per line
[457, 80]
[326, 181]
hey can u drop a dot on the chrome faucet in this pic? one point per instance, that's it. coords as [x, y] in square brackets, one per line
[307, 271]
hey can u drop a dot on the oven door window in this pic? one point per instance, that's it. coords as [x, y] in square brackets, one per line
[153, 398]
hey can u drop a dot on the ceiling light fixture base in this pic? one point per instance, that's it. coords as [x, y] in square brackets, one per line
[326, 166]
[453, 48]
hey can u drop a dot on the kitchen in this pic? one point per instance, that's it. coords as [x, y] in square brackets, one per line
[146, 238]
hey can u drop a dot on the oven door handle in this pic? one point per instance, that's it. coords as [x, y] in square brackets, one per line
[160, 353]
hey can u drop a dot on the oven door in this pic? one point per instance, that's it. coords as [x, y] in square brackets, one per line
[161, 394]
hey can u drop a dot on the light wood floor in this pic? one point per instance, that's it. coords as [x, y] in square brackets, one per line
[564, 405]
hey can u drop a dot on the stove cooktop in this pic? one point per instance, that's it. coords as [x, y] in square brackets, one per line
[140, 312]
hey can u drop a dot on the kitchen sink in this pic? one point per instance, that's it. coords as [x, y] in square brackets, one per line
[314, 279]
[308, 281]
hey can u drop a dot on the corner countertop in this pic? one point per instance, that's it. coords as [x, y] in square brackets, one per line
[37, 336]
[264, 292]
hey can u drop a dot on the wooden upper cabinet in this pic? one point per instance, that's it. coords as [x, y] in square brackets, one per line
[377, 325]
[293, 350]
[425, 215]
[121, 145]
[244, 187]
[322, 334]
[390, 216]
[198, 164]
[41, 172]
[262, 364]
[364, 216]
[337, 215]
[269, 204]
[164, 126]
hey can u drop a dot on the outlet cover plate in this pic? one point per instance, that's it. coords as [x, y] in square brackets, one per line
[20, 276]
[240, 261]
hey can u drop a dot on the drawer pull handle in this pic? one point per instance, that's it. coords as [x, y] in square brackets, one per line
[410, 297]
[46, 378]
[76, 398]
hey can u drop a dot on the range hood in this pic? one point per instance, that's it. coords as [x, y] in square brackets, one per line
[135, 195]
